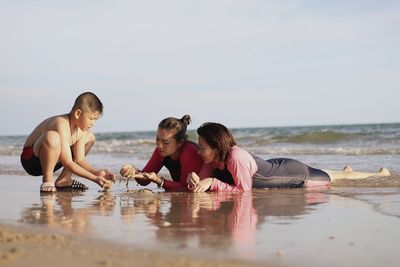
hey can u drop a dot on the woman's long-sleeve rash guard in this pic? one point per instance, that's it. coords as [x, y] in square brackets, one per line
[189, 161]
[241, 171]
[241, 166]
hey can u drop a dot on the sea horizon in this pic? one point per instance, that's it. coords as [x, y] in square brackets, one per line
[231, 128]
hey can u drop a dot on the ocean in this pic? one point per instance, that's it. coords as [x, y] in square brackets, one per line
[364, 147]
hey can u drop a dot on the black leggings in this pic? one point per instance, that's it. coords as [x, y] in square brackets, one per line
[285, 173]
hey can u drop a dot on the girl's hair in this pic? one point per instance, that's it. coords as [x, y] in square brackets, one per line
[218, 137]
[179, 125]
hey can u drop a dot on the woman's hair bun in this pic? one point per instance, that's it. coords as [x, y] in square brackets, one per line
[186, 119]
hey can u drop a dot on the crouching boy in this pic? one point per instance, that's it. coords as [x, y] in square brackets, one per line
[63, 141]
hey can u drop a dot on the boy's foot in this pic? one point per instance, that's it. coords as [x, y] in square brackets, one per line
[47, 187]
[75, 185]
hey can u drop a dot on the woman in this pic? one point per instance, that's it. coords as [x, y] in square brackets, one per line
[228, 167]
[173, 151]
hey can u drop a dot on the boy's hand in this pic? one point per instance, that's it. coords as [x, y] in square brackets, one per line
[192, 180]
[106, 187]
[108, 174]
[103, 182]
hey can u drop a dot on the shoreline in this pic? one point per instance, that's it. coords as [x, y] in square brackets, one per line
[37, 247]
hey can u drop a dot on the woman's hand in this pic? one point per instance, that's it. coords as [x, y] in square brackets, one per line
[141, 178]
[128, 171]
[192, 180]
[154, 178]
[203, 185]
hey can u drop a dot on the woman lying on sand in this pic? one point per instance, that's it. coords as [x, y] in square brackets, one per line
[228, 167]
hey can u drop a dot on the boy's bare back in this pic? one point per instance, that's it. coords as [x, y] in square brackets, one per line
[60, 123]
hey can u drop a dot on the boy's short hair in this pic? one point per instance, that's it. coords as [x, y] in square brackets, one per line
[88, 102]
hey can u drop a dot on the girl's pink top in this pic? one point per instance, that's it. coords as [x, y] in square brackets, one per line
[242, 167]
[189, 160]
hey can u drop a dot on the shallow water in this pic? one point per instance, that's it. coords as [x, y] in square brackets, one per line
[295, 227]
[364, 147]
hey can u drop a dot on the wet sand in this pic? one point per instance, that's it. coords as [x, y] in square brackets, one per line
[337, 227]
[20, 247]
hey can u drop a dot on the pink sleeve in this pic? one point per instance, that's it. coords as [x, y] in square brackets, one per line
[242, 166]
[190, 162]
[155, 163]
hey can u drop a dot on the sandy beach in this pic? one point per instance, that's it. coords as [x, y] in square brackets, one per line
[22, 247]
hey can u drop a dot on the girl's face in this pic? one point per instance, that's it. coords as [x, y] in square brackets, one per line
[166, 143]
[207, 153]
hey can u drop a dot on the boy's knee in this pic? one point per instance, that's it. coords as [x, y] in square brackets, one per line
[52, 139]
[91, 138]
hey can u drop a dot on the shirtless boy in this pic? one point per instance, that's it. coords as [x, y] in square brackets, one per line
[64, 141]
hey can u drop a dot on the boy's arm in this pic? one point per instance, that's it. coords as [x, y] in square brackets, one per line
[79, 153]
[67, 161]
[79, 156]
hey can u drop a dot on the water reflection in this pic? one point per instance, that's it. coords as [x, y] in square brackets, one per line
[287, 205]
[57, 211]
[138, 202]
[215, 220]
[218, 221]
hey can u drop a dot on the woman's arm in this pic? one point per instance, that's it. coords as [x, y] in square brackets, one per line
[155, 163]
[242, 174]
[190, 161]
[153, 166]
[242, 167]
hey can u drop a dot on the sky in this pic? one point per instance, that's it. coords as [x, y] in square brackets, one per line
[244, 63]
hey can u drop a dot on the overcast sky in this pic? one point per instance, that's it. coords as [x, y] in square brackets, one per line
[245, 63]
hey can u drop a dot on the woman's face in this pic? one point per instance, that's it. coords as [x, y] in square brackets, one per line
[207, 153]
[166, 143]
